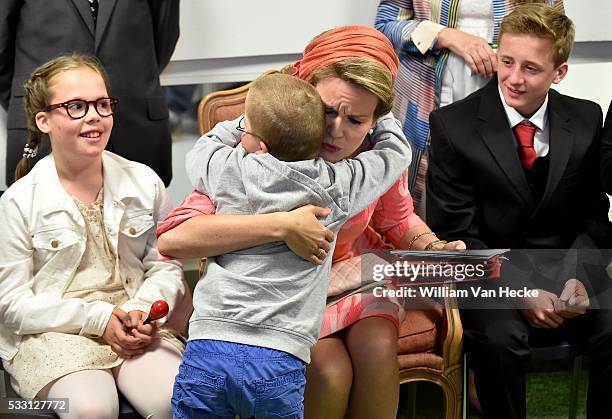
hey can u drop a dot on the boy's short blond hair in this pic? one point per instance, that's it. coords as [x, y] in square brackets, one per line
[288, 115]
[542, 21]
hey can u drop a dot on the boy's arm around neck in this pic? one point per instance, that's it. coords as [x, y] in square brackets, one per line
[210, 154]
[373, 172]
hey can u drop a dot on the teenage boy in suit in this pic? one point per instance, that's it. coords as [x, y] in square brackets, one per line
[514, 165]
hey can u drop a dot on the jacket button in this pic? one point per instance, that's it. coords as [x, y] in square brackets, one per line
[54, 243]
[132, 231]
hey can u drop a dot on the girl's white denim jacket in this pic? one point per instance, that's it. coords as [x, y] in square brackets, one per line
[43, 240]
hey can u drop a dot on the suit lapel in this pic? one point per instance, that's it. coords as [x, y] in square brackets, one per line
[497, 136]
[105, 10]
[83, 8]
[561, 144]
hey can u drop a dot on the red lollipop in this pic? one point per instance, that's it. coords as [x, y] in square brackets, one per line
[158, 310]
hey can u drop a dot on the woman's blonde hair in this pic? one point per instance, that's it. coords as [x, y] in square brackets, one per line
[364, 72]
[37, 97]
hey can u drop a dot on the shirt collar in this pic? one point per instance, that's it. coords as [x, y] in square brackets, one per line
[115, 177]
[514, 117]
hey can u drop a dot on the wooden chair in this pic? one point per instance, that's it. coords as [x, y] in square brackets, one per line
[223, 105]
[430, 341]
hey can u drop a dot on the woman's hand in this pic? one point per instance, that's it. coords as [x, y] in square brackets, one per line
[137, 328]
[421, 237]
[475, 51]
[123, 344]
[454, 245]
[305, 235]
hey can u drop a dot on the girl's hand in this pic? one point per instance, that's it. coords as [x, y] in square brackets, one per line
[115, 334]
[137, 328]
[475, 51]
[305, 235]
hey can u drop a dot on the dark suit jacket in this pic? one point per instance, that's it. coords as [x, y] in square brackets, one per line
[606, 152]
[133, 39]
[477, 190]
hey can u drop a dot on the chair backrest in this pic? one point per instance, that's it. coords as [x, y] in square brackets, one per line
[223, 105]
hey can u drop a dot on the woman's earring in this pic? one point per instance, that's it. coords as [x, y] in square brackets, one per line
[371, 131]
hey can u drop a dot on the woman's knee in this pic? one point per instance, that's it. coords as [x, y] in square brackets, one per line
[372, 343]
[330, 368]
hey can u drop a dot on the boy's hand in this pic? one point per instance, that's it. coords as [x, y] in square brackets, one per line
[573, 301]
[540, 311]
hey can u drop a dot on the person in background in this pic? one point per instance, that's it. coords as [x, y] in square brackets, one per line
[446, 52]
[180, 103]
[515, 165]
[79, 268]
[134, 40]
[606, 152]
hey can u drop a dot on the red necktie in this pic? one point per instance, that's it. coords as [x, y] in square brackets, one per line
[524, 134]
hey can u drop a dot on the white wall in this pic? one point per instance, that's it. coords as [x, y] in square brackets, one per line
[244, 28]
[591, 17]
[590, 71]
[237, 40]
[591, 81]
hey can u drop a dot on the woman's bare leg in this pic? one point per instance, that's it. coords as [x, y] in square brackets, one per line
[372, 345]
[328, 380]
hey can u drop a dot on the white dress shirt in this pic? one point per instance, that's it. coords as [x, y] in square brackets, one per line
[541, 141]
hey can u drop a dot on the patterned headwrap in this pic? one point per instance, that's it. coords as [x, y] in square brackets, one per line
[346, 42]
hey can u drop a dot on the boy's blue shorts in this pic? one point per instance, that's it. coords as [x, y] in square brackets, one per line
[220, 380]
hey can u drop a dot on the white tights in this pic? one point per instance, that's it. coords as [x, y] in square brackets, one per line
[146, 382]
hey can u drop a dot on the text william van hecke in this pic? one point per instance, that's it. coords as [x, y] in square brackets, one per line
[445, 292]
